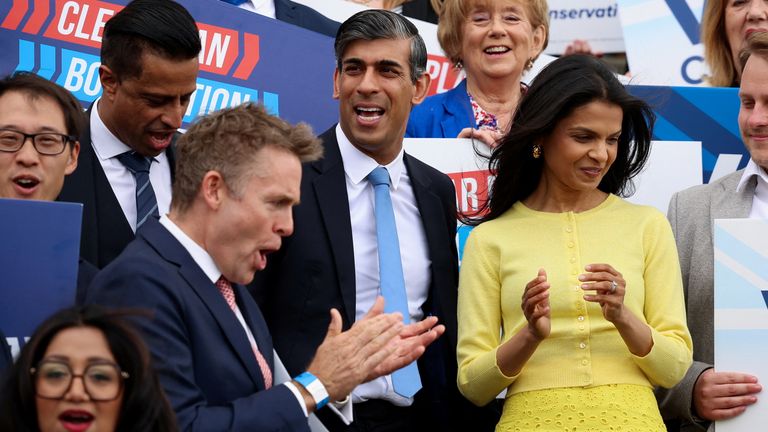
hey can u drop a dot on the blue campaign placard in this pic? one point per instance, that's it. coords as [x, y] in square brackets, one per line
[39, 255]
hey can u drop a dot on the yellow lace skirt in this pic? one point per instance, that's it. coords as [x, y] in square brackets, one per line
[607, 408]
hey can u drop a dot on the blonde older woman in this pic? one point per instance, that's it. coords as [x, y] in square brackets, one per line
[724, 29]
[494, 41]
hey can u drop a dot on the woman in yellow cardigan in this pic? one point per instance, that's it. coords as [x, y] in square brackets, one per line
[585, 287]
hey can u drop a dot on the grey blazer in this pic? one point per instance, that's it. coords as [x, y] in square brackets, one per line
[691, 213]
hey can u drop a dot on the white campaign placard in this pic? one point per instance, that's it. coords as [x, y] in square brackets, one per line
[596, 21]
[662, 41]
[672, 166]
[741, 310]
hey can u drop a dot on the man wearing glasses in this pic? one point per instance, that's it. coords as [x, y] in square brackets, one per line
[39, 123]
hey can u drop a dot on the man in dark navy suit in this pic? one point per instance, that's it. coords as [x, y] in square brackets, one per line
[238, 179]
[335, 258]
[148, 73]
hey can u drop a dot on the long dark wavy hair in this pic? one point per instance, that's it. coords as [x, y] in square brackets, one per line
[144, 406]
[564, 85]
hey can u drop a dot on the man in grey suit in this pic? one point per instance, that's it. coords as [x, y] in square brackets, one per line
[706, 395]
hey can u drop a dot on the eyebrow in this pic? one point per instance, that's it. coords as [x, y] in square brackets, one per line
[42, 129]
[586, 129]
[383, 62]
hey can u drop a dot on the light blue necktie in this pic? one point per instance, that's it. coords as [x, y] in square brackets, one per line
[146, 203]
[235, 2]
[406, 381]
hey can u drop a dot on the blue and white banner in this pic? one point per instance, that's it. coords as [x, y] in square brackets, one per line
[741, 310]
[662, 41]
[245, 56]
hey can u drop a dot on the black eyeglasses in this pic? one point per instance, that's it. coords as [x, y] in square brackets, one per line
[46, 143]
[103, 382]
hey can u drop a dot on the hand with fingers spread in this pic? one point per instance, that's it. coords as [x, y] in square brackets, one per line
[536, 306]
[408, 346]
[488, 137]
[609, 287]
[376, 345]
[723, 395]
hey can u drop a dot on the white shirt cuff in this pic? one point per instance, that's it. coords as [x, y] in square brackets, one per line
[343, 410]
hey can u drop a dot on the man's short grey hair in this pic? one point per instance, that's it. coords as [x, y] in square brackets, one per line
[382, 24]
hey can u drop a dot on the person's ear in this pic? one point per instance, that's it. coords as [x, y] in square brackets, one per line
[213, 189]
[74, 152]
[336, 90]
[421, 87]
[109, 82]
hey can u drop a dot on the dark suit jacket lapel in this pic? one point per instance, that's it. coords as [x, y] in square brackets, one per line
[170, 153]
[458, 109]
[331, 193]
[256, 323]
[105, 229]
[433, 220]
[170, 249]
[284, 11]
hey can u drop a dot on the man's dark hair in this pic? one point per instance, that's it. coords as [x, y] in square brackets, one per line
[382, 24]
[35, 87]
[162, 27]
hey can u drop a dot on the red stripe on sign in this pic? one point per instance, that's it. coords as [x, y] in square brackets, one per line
[39, 14]
[15, 15]
[251, 57]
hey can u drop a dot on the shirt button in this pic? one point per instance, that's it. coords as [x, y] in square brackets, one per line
[569, 229]
[584, 362]
[581, 327]
[580, 318]
[570, 244]
[575, 287]
[573, 259]
[582, 345]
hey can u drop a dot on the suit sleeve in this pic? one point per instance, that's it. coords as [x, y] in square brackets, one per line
[677, 402]
[132, 286]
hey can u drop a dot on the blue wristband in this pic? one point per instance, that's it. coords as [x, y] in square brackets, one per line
[315, 388]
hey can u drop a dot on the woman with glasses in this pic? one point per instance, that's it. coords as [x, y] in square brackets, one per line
[84, 369]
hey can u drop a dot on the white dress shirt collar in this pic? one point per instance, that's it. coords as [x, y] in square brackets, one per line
[199, 255]
[357, 165]
[759, 208]
[105, 144]
[752, 169]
